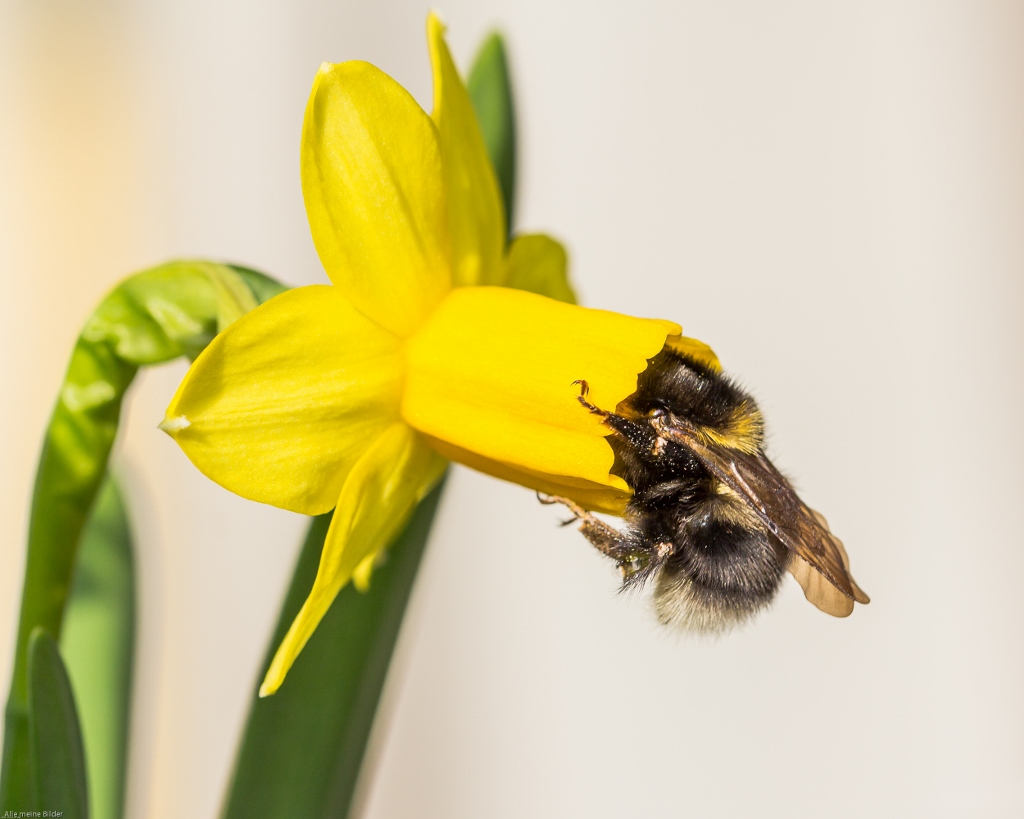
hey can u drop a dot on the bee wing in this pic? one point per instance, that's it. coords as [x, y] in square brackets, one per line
[803, 531]
[816, 588]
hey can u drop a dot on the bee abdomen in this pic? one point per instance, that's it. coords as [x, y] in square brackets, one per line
[721, 574]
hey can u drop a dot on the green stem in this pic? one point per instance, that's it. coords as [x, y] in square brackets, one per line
[303, 747]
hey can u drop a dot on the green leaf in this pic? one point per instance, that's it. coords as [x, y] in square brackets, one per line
[539, 264]
[58, 760]
[150, 318]
[303, 747]
[490, 88]
[97, 643]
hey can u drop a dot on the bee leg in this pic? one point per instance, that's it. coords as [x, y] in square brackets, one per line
[632, 431]
[606, 539]
[582, 398]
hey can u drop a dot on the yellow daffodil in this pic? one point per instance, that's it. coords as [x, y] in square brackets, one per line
[427, 346]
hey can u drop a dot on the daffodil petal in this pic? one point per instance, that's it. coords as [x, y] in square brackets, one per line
[697, 350]
[539, 264]
[373, 185]
[378, 497]
[492, 373]
[590, 495]
[476, 216]
[363, 572]
[281, 405]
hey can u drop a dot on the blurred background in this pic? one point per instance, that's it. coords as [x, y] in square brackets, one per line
[831, 194]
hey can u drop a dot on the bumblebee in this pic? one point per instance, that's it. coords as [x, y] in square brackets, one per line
[712, 523]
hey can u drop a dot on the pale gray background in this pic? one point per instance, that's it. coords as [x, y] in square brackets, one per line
[830, 193]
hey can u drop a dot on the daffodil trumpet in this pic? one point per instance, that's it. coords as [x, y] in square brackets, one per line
[437, 339]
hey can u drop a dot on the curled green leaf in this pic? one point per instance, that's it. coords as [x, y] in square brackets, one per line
[152, 317]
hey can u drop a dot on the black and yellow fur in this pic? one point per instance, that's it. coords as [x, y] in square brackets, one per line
[713, 561]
